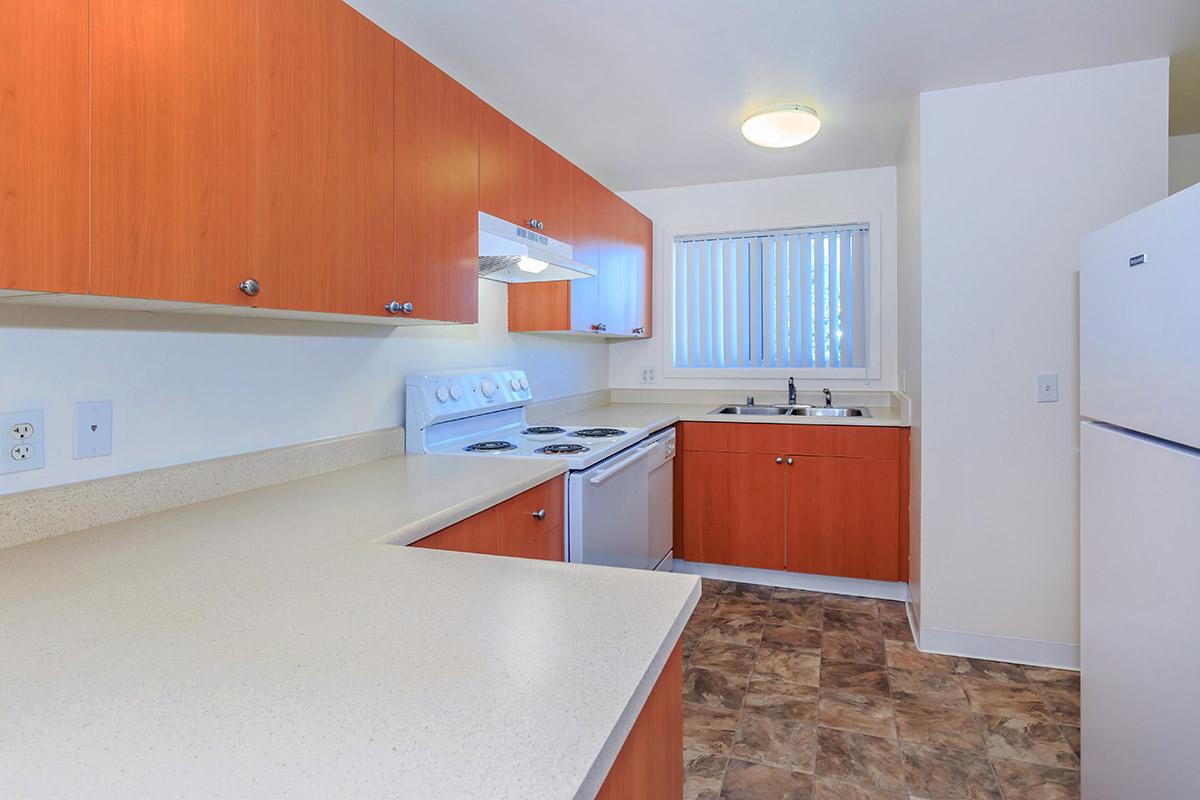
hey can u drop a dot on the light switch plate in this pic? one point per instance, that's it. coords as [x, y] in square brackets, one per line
[22, 441]
[1047, 387]
[93, 429]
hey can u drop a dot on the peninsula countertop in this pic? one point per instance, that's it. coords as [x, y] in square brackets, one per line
[272, 643]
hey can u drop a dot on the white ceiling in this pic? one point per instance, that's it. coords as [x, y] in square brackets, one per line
[646, 93]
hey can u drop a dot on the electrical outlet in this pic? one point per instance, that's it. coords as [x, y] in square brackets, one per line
[25, 450]
[649, 375]
[1047, 387]
[93, 429]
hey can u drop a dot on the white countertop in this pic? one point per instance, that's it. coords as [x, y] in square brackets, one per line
[268, 644]
[659, 415]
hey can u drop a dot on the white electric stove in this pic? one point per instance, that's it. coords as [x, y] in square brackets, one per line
[617, 486]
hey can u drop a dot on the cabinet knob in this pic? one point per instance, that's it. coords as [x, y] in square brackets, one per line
[602, 327]
[536, 224]
[396, 307]
[639, 330]
[250, 287]
[779, 460]
[790, 462]
[539, 514]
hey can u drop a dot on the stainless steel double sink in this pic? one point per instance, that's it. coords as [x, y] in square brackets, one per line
[792, 411]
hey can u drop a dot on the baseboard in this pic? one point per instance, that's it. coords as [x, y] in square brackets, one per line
[1035, 652]
[882, 590]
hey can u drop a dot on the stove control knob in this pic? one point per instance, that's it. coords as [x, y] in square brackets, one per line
[488, 387]
[456, 392]
[524, 383]
[443, 394]
[515, 384]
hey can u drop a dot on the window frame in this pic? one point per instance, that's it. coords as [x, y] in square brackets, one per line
[875, 286]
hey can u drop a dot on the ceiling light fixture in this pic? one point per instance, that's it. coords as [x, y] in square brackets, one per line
[786, 125]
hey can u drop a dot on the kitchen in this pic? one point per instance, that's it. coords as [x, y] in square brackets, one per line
[775, 482]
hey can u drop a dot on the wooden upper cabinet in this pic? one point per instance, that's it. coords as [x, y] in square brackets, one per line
[437, 192]
[843, 517]
[505, 166]
[643, 254]
[173, 151]
[326, 145]
[551, 192]
[521, 180]
[44, 145]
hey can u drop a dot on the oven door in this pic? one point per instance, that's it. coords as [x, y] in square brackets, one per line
[608, 512]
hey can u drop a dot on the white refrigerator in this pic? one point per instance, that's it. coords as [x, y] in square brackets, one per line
[1139, 315]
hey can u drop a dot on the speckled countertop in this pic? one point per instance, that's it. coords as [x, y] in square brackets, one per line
[269, 644]
[658, 415]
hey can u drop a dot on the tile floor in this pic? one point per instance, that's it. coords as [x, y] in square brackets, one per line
[794, 695]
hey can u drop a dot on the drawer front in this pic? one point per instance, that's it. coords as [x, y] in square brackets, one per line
[475, 534]
[801, 440]
[531, 524]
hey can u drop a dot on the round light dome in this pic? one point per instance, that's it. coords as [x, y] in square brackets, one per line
[781, 126]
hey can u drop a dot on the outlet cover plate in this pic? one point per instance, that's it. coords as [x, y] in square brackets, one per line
[1047, 387]
[93, 429]
[22, 441]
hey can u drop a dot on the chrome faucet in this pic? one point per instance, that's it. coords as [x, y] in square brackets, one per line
[749, 399]
[828, 398]
[791, 391]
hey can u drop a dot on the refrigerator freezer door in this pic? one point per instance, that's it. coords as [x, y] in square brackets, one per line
[1140, 547]
[1139, 320]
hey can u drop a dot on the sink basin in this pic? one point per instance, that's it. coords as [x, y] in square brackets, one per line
[758, 411]
[848, 411]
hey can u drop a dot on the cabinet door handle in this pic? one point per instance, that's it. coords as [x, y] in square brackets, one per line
[779, 460]
[250, 287]
[539, 514]
[396, 307]
[789, 461]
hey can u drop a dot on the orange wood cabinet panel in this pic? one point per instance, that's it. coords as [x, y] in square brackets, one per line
[511, 528]
[650, 763]
[505, 167]
[44, 145]
[733, 511]
[905, 487]
[531, 524]
[808, 440]
[540, 306]
[479, 533]
[551, 191]
[678, 540]
[173, 149]
[326, 147]
[437, 192]
[843, 517]
[644, 270]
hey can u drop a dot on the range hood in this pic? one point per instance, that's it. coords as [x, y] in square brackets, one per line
[512, 254]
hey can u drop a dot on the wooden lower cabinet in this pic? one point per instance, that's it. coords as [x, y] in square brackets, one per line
[843, 517]
[733, 510]
[650, 764]
[827, 500]
[529, 525]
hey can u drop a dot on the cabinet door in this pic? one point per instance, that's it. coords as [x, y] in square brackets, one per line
[505, 167]
[44, 145]
[531, 524]
[326, 146]
[643, 271]
[733, 509]
[437, 192]
[587, 199]
[843, 517]
[550, 190]
[614, 282]
[173, 182]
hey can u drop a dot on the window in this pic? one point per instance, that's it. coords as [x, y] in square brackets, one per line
[795, 298]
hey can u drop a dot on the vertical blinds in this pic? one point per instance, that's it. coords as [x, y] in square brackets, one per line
[787, 298]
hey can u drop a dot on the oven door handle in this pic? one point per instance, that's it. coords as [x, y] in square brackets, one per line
[604, 474]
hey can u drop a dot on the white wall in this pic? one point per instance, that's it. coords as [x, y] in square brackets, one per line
[1184, 161]
[1012, 174]
[908, 218]
[188, 388]
[766, 202]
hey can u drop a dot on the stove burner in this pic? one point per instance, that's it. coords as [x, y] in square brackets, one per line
[597, 433]
[543, 430]
[488, 447]
[562, 449]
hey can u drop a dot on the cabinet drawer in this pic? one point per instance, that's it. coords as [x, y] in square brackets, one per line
[802, 440]
[510, 528]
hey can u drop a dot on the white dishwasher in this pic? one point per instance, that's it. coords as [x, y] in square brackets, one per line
[619, 511]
